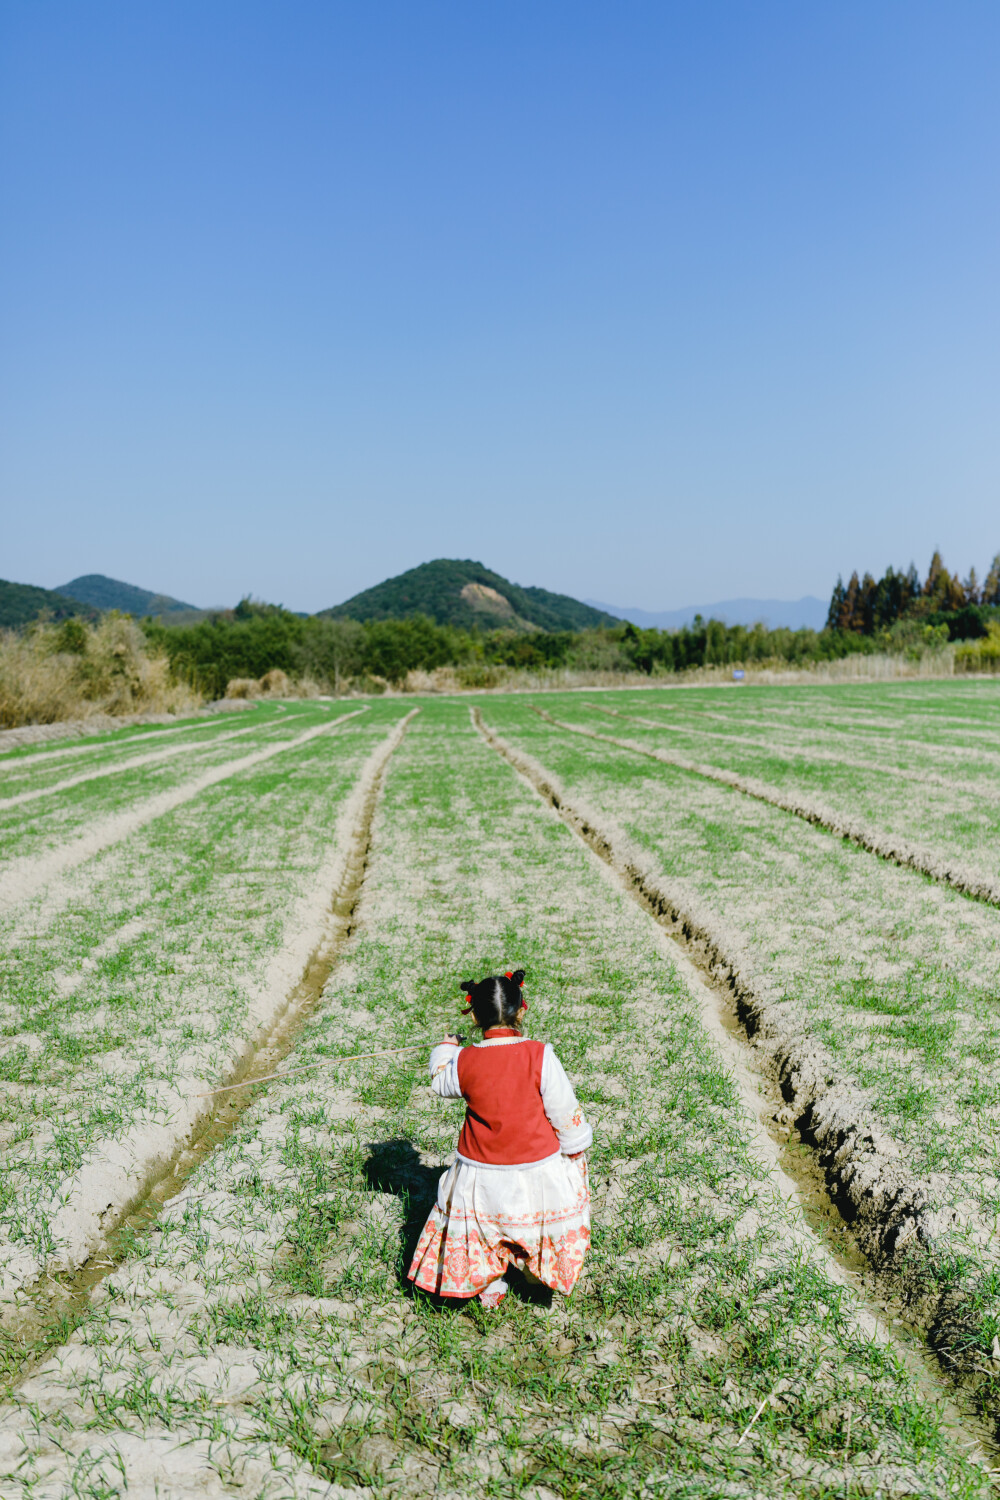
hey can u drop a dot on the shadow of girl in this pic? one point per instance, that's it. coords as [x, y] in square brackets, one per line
[395, 1167]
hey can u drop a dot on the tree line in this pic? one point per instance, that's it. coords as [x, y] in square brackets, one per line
[255, 638]
[867, 606]
[896, 612]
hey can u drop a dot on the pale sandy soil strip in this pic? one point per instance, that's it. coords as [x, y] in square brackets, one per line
[890, 1208]
[95, 1199]
[67, 982]
[119, 766]
[889, 846]
[811, 754]
[862, 738]
[25, 877]
[26, 763]
[36, 734]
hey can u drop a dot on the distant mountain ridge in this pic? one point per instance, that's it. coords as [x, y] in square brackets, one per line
[464, 593]
[807, 613]
[20, 603]
[450, 591]
[104, 593]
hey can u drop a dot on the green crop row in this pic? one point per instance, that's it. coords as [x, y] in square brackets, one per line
[149, 972]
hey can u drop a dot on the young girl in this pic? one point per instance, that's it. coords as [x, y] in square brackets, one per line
[517, 1192]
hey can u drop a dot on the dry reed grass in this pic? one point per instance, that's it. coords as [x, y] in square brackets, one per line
[482, 677]
[74, 671]
[274, 684]
[874, 668]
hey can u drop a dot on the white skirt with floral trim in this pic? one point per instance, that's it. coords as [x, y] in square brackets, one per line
[535, 1217]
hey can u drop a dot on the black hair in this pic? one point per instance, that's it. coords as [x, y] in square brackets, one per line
[496, 1000]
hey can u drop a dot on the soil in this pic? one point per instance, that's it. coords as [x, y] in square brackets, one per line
[890, 1211]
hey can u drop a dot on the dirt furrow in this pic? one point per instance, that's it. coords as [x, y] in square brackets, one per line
[127, 1186]
[891, 1211]
[862, 732]
[898, 851]
[24, 878]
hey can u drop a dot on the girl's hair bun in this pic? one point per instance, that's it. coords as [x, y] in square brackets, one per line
[496, 1000]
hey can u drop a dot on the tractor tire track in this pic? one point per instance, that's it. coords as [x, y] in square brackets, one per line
[892, 1213]
[898, 851]
[132, 1177]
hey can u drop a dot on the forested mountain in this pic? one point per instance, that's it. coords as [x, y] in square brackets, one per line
[464, 593]
[20, 603]
[110, 593]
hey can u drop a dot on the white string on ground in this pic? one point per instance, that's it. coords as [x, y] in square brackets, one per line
[324, 1062]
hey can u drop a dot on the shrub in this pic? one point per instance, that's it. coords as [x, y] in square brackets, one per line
[982, 655]
[75, 670]
[276, 684]
[243, 687]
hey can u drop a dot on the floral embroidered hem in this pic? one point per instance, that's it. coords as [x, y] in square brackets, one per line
[535, 1217]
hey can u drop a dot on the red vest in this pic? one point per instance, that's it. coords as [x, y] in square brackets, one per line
[505, 1123]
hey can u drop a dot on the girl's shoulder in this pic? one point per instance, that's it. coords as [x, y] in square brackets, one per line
[507, 1050]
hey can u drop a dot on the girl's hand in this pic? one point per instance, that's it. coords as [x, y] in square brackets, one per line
[451, 1040]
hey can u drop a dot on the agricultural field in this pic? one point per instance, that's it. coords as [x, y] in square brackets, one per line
[783, 1037]
[913, 772]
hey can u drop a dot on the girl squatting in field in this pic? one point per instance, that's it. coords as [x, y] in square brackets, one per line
[517, 1192]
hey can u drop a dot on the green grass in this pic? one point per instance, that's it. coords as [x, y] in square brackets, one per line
[842, 934]
[211, 885]
[911, 773]
[284, 1260]
[42, 825]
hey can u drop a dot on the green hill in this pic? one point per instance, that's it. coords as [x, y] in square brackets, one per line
[20, 603]
[110, 593]
[464, 593]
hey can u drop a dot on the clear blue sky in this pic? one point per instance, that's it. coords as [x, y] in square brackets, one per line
[648, 302]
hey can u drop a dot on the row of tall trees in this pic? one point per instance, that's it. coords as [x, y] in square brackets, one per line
[867, 606]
